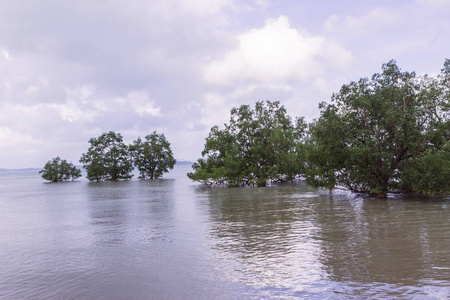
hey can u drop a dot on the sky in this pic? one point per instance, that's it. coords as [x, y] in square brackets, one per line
[72, 70]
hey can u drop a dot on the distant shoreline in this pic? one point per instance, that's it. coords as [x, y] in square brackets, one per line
[4, 170]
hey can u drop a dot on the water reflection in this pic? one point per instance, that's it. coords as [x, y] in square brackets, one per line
[131, 211]
[263, 237]
[303, 241]
[172, 239]
[391, 242]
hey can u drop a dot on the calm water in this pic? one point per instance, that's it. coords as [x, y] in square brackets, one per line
[173, 239]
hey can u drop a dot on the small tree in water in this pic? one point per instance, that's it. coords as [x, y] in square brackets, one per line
[153, 157]
[257, 145]
[59, 169]
[107, 158]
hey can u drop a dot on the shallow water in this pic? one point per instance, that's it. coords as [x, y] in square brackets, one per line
[174, 239]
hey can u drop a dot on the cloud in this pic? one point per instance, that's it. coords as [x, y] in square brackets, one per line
[71, 111]
[140, 102]
[376, 19]
[6, 55]
[69, 72]
[213, 108]
[414, 34]
[206, 6]
[435, 3]
[12, 142]
[274, 62]
[276, 53]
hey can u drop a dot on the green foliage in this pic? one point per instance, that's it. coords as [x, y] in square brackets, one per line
[153, 157]
[107, 158]
[257, 145]
[326, 149]
[59, 169]
[428, 174]
[380, 131]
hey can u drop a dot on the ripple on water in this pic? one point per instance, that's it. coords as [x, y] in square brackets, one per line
[171, 239]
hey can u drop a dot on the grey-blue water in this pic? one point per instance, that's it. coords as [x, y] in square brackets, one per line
[174, 239]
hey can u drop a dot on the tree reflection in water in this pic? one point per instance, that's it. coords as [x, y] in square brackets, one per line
[264, 236]
[296, 238]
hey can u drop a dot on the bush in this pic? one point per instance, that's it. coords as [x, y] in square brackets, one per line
[58, 169]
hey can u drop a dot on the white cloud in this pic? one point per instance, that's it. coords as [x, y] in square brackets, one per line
[377, 18]
[81, 93]
[213, 110]
[206, 6]
[71, 111]
[435, 3]
[275, 62]
[331, 23]
[178, 66]
[249, 89]
[140, 102]
[276, 53]
[262, 3]
[10, 138]
[31, 89]
[6, 55]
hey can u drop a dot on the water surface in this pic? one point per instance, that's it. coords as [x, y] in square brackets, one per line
[174, 239]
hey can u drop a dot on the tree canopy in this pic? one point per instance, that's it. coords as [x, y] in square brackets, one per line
[58, 169]
[389, 133]
[108, 158]
[257, 145]
[153, 157]
[386, 134]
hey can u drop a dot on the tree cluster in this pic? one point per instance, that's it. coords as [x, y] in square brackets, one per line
[109, 158]
[389, 133]
[153, 156]
[258, 145]
[58, 169]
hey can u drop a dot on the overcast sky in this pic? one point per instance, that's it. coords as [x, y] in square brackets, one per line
[71, 70]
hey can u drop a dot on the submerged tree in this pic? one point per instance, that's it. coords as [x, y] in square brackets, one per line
[59, 169]
[257, 145]
[107, 158]
[383, 134]
[153, 157]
